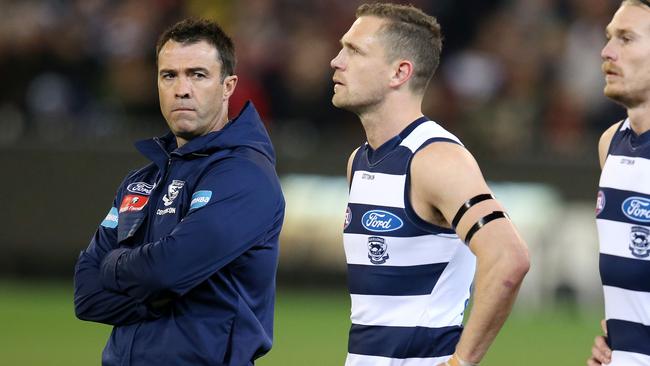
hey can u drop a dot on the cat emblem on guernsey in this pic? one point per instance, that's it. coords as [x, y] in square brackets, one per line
[381, 221]
[637, 209]
[377, 250]
[639, 245]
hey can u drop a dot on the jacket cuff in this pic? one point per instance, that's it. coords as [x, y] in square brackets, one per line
[108, 269]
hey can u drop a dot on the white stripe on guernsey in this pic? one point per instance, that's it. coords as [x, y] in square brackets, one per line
[424, 132]
[381, 190]
[625, 125]
[363, 360]
[405, 311]
[627, 305]
[443, 307]
[626, 176]
[411, 251]
[609, 236]
[621, 358]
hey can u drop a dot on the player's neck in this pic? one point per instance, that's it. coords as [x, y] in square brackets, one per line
[639, 118]
[388, 120]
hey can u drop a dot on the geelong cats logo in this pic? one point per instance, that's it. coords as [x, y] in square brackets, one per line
[377, 250]
[639, 245]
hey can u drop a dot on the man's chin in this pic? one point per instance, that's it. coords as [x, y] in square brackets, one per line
[620, 97]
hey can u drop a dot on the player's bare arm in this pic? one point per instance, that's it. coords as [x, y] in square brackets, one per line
[350, 161]
[605, 141]
[444, 177]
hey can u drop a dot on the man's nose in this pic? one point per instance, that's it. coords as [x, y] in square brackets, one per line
[183, 88]
[608, 52]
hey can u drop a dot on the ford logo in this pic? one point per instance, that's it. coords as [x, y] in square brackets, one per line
[637, 209]
[140, 187]
[381, 221]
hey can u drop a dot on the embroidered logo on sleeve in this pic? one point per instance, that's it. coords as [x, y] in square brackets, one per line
[110, 221]
[133, 202]
[200, 199]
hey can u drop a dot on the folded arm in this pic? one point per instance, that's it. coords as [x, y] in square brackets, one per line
[245, 205]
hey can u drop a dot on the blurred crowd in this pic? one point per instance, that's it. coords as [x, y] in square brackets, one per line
[518, 78]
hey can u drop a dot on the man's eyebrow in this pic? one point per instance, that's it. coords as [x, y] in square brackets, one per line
[166, 71]
[188, 70]
[348, 44]
[192, 70]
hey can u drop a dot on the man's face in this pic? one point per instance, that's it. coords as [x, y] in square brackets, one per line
[361, 71]
[626, 56]
[193, 99]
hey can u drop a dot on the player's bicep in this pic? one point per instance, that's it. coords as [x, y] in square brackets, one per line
[450, 180]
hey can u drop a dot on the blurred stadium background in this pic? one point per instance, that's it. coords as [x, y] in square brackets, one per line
[519, 82]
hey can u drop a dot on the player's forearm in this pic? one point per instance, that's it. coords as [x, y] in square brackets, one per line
[497, 283]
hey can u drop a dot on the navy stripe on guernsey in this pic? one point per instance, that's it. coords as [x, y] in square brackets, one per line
[614, 210]
[359, 210]
[403, 342]
[626, 273]
[392, 280]
[628, 336]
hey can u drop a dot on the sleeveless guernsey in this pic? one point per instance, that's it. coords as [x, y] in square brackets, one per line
[409, 280]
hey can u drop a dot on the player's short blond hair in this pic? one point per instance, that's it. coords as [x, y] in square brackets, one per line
[410, 34]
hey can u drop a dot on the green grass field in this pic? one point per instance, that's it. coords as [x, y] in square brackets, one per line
[38, 327]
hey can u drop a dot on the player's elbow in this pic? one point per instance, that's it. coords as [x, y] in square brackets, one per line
[516, 265]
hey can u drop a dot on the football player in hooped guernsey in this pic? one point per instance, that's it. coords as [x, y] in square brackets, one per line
[623, 203]
[420, 219]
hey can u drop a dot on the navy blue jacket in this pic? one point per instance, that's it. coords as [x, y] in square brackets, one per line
[184, 264]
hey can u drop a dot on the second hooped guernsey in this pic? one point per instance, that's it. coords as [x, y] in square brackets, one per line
[409, 280]
[623, 218]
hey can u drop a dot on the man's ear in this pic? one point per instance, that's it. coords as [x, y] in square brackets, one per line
[229, 85]
[403, 73]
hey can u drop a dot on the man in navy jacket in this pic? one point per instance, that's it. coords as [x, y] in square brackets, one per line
[183, 266]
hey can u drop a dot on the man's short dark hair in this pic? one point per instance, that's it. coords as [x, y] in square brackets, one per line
[411, 34]
[190, 31]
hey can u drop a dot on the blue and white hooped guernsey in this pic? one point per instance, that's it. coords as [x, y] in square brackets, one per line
[409, 280]
[623, 218]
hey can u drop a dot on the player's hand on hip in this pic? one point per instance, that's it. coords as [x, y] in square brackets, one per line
[457, 361]
[601, 354]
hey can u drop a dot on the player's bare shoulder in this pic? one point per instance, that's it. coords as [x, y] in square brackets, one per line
[443, 176]
[443, 168]
[605, 141]
[350, 161]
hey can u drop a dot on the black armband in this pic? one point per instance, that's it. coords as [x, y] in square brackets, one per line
[482, 221]
[466, 206]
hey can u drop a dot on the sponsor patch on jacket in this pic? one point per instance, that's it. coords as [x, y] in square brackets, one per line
[133, 202]
[166, 211]
[637, 209]
[200, 199]
[110, 221]
[381, 221]
[140, 188]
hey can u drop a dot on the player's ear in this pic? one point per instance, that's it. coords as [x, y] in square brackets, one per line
[403, 71]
